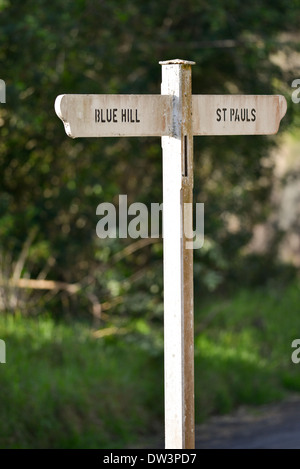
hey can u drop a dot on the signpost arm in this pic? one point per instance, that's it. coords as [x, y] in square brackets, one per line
[178, 259]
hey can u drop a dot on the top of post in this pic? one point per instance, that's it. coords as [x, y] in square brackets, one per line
[177, 61]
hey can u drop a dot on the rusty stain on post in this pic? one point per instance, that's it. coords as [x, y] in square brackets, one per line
[188, 297]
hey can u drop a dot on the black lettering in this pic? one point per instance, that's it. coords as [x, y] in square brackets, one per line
[97, 115]
[253, 113]
[108, 115]
[248, 118]
[131, 120]
[123, 114]
[218, 115]
[243, 114]
[136, 117]
[231, 113]
[102, 116]
[236, 116]
[115, 115]
[224, 111]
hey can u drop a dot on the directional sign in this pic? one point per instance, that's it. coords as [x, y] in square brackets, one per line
[237, 114]
[151, 115]
[107, 115]
[175, 115]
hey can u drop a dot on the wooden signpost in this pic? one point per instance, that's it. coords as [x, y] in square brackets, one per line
[176, 116]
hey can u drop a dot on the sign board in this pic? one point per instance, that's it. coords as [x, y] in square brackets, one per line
[151, 115]
[107, 115]
[237, 114]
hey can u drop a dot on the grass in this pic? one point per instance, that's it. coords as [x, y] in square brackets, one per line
[62, 388]
[243, 356]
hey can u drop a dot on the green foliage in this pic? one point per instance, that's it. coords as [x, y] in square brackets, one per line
[243, 354]
[67, 386]
[54, 184]
[61, 387]
[64, 389]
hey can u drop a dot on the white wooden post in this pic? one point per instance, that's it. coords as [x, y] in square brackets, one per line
[178, 260]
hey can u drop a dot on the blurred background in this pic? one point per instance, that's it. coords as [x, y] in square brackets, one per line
[82, 317]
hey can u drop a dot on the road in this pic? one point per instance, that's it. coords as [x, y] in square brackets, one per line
[274, 426]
